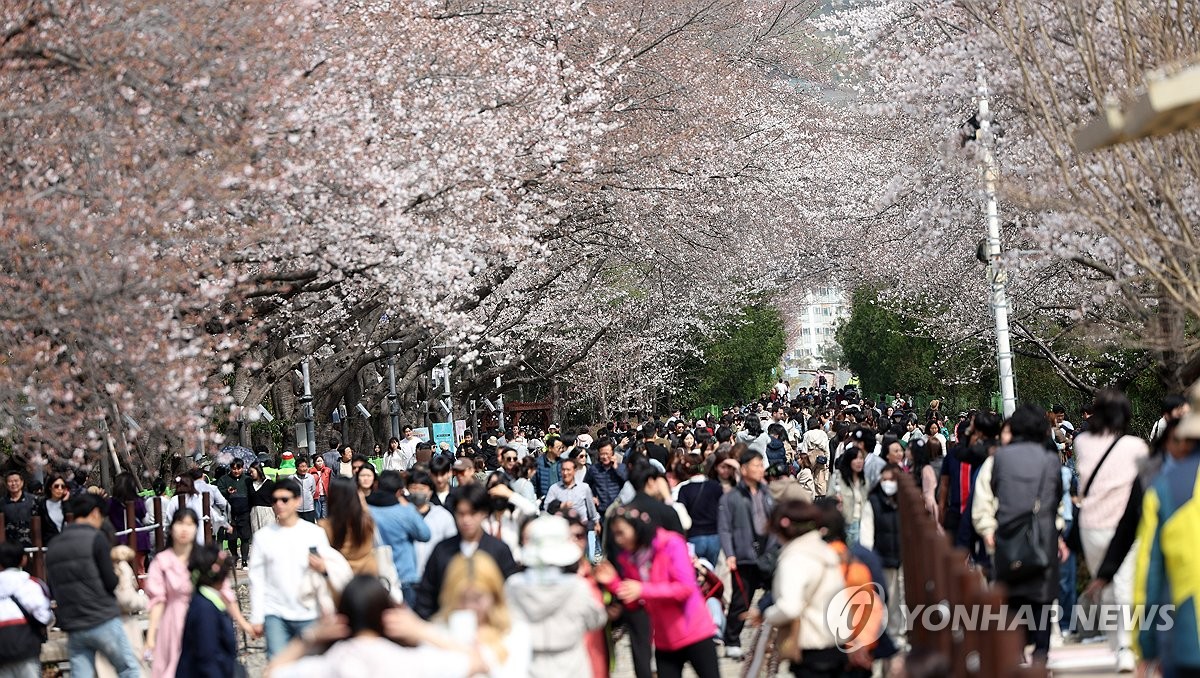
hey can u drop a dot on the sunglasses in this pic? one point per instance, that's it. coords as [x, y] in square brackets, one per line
[58, 485]
[280, 500]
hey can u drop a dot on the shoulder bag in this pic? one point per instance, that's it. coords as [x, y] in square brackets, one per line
[1020, 552]
[1073, 538]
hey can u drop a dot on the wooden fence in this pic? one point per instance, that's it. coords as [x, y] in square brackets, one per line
[37, 550]
[937, 576]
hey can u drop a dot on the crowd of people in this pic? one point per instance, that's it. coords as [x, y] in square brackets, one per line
[528, 553]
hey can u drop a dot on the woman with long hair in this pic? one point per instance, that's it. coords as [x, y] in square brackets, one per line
[688, 443]
[168, 586]
[656, 573]
[349, 526]
[262, 512]
[851, 491]
[124, 491]
[393, 458]
[367, 479]
[753, 435]
[473, 603]
[371, 636]
[924, 453]
[50, 507]
[725, 468]
[701, 495]
[1108, 461]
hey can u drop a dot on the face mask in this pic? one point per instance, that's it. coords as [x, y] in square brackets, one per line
[418, 498]
[889, 487]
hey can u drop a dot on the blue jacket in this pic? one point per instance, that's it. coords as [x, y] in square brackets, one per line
[1167, 568]
[399, 526]
[606, 484]
[547, 474]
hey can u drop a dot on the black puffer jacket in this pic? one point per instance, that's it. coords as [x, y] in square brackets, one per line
[81, 578]
[887, 527]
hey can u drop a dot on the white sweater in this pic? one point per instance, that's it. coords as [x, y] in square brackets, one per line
[278, 566]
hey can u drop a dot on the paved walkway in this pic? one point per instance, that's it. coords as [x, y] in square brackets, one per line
[1084, 660]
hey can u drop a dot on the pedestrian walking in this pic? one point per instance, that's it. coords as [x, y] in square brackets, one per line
[82, 579]
[24, 615]
[294, 573]
[656, 573]
[209, 646]
[743, 521]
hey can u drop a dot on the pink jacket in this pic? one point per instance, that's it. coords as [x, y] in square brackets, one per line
[671, 596]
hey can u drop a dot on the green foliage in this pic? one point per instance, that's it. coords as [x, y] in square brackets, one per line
[885, 350]
[739, 364]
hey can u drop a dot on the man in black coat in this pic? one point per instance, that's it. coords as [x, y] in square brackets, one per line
[471, 507]
[82, 579]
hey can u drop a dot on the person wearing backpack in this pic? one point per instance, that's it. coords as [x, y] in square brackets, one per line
[24, 615]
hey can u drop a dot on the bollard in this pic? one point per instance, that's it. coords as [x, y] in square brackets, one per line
[39, 555]
[160, 540]
[206, 503]
[131, 524]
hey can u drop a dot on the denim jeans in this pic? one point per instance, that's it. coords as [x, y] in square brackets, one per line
[279, 632]
[708, 547]
[1066, 591]
[319, 505]
[409, 591]
[718, 616]
[108, 639]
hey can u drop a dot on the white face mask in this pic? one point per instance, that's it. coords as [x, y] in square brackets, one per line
[889, 487]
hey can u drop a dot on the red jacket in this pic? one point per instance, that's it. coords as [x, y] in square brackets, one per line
[670, 595]
[321, 486]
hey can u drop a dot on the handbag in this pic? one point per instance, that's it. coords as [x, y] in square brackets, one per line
[387, 568]
[1073, 538]
[1020, 553]
[788, 640]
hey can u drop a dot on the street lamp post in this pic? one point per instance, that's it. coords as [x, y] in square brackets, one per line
[500, 405]
[391, 347]
[306, 407]
[996, 275]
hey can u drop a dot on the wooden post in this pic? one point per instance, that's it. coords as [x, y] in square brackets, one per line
[39, 556]
[3, 531]
[160, 540]
[131, 524]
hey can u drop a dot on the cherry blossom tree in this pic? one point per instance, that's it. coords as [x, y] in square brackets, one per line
[1098, 246]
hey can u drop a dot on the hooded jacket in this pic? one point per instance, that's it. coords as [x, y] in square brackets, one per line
[670, 595]
[559, 609]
